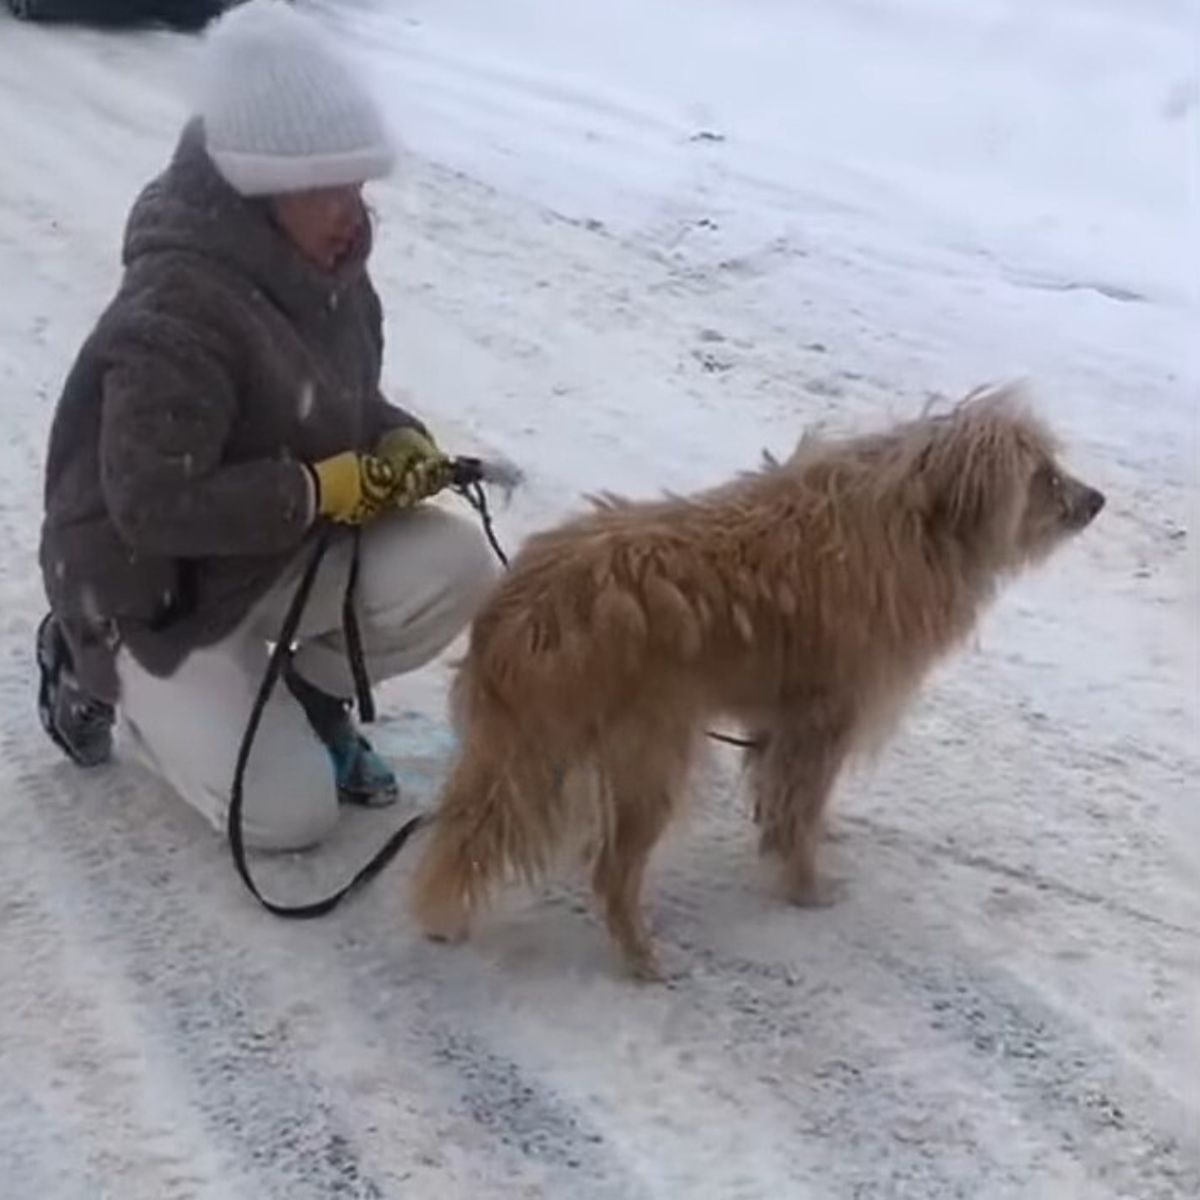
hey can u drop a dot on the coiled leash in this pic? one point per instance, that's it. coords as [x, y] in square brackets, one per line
[468, 479]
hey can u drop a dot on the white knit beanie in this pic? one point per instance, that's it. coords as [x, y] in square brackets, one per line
[282, 112]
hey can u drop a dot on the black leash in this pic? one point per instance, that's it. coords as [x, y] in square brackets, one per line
[471, 490]
[468, 483]
[742, 743]
[354, 646]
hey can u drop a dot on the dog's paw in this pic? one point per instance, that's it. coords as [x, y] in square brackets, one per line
[816, 891]
[653, 968]
[645, 967]
[447, 926]
[440, 938]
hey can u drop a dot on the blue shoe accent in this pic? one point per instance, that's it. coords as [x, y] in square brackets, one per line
[363, 776]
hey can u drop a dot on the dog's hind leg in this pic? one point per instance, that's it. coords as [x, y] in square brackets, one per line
[643, 776]
[793, 777]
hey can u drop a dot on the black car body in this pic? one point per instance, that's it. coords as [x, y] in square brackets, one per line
[178, 14]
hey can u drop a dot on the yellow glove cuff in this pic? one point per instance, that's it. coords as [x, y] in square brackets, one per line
[353, 488]
[339, 486]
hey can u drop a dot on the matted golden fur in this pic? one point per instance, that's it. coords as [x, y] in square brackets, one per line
[805, 601]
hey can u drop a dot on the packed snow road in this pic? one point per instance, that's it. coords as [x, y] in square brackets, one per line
[631, 246]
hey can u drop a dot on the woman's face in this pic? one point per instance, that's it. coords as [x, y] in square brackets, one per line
[324, 225]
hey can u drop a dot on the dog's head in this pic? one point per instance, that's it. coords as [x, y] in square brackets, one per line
[986, 475]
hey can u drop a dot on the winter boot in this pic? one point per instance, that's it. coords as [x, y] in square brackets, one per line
[362, 776]
[78, 724]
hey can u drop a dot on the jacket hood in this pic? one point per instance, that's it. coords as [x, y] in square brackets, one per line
[191, 209]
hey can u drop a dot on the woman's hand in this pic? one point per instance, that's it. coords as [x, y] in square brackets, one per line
[405, 468]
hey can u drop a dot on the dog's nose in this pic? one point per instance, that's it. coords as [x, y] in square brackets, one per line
[1093, 502]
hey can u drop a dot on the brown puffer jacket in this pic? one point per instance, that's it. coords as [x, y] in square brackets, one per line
[174, 493]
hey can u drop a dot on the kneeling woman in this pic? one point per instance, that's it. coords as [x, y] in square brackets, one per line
[225, 405]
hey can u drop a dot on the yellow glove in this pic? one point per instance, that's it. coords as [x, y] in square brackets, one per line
[421, 469]
[354, 488]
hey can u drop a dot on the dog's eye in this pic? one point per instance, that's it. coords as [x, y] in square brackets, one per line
[1050, 479]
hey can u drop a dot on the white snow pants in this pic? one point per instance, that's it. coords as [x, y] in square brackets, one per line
[422, 574]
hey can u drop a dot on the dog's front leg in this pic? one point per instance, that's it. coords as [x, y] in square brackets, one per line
[793, 774]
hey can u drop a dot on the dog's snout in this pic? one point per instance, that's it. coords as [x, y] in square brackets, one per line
[1093, 502]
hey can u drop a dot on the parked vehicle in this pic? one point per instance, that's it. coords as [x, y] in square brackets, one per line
[177, 14]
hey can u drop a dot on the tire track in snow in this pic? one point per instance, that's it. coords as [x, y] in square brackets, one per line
[43, 1152]
[198, 1008]
[1068, 1089]
[81, 1102]
[1064, 1080]
[818, 1071]
[501, 1098]
[892, 835]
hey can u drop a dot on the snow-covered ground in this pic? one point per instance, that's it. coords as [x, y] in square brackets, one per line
[632, 244]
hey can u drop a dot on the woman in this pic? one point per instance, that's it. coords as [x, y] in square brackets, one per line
[226, 404]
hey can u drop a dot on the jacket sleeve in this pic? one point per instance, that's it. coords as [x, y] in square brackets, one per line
[169, 402]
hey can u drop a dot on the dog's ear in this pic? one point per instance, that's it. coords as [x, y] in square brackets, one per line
[808, 444]
[970, 470]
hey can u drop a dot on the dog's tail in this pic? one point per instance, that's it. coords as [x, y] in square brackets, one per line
[500, 817]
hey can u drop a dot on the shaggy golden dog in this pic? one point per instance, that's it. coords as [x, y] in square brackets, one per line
[805, 601]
